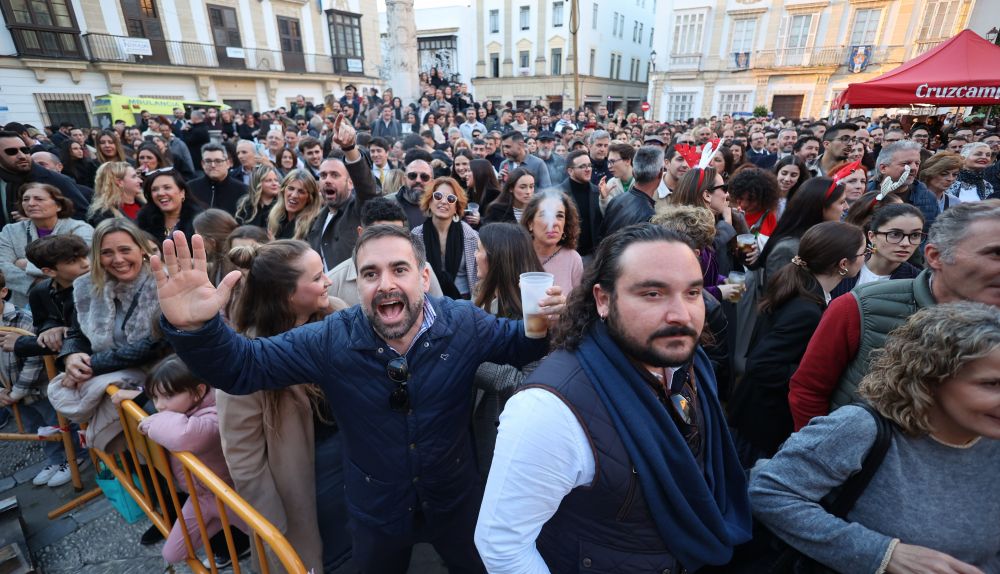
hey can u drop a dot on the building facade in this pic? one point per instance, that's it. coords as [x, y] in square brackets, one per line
[57, 55]
[525, 54]
[793, 57]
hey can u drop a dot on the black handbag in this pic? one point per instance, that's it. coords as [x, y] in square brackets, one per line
[840, 503]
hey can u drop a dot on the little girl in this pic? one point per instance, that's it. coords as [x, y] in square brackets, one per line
[187, 421]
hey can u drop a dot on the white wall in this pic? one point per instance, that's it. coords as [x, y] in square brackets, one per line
[19, 87]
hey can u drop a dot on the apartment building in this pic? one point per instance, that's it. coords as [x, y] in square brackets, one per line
[524, 51]
[56, 55]
[793, 57]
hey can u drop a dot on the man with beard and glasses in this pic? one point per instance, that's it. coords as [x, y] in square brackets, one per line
[17, 169]
[418, 175]
[397, 372]
[345, 186]
[615, 454]
[837, 144]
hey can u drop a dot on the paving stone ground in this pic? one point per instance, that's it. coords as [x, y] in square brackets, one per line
[95, 539]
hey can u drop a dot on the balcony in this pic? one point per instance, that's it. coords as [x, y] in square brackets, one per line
[126, 50]
[825, 56]
[682, 62]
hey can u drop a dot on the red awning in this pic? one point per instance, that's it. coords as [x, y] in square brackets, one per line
[964, 71]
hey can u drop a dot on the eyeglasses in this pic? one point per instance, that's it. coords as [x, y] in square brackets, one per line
[412, 176]
[896, 236]
[438, 196]
[723, 187]
[612, 162]
[846, 139]
[584, 166]
[213, 161]
[12, 151]
[399, 373]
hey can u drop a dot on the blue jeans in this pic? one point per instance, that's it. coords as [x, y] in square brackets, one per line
[331, 504]
[39, 414]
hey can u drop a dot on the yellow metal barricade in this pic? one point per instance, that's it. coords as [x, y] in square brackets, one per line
[65, 436]
[142, 449]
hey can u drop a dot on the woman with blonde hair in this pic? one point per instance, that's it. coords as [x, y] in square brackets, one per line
[450, 242]
[271, 438]
[938, 173]
[117, 193]
[299, 204]
[265, 187]
[932, 502]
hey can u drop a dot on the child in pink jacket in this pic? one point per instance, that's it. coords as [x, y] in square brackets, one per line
[187, 421]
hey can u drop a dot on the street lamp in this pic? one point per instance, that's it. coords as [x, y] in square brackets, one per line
[991, 36]
[652, 84]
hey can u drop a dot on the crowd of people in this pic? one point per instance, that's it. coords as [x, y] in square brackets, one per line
[323, 302]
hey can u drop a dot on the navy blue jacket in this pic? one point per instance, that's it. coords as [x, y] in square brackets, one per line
[395, 463]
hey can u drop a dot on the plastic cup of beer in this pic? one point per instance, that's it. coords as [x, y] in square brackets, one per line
[737, 278]
[533, 287]
[746, 242]
[472, 208]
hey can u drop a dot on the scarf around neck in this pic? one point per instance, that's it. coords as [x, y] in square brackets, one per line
[974, 178]
[446, 270]
[701, 517]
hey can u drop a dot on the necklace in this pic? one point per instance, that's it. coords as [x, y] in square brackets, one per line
[549, 258]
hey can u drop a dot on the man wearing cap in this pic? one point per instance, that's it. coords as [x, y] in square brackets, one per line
[555, 164]
[517, 156]
[654, 139]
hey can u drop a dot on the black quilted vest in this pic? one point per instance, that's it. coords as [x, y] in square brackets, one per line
[605, 527]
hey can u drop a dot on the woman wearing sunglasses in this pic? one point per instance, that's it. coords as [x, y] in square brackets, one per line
[282, 446]
[894, 234]
[450, 242]
[791, 307]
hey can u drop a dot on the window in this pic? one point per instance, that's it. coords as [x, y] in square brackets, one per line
[494, 21]
[593, 20]
[141, 21]
[742, 34]
[494, 65]
[345, 39]
[688, 29]
[556, 61]
[557, 14]
[616, 67]
[611, 69]
[633, 70]
[593, 60]
[635, 30]
[680, 107]
[525, 16]
[524, 60]
[732, 102]
[865, 26]
[43, 28]
[651, 30]
[290, 35]
[74, 112]
[939, 19]
[639, 40]
[226, 35]
[798, 31]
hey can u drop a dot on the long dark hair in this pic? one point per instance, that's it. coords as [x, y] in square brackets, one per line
[484, 179]
[171, 377]
[804, 173]
[820, 251]
[72, 167]
[803, 212]
[507, 193]
[604, 270]
[571, 227]
[161, 160]
[508, 254]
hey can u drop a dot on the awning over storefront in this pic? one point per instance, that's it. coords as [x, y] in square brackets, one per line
[964, 71]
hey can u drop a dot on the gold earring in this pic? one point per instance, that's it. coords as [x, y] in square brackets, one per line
[842, 272]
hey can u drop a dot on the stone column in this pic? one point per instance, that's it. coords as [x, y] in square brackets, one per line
[480, 43]
[403, 52]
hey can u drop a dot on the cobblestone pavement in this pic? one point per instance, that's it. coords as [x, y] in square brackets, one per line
[95, 539]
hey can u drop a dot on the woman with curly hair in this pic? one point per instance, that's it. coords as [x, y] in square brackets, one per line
[755, 191]
[933, 501]
[553, 222]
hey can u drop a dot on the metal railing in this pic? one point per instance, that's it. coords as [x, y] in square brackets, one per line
[109, 48]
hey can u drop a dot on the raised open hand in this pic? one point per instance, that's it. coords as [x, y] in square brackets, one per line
[187, 298]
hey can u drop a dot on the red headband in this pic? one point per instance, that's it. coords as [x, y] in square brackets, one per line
[846, 171]
[701, 176]
[833, 186]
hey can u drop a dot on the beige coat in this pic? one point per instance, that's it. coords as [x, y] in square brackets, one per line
[271, 462]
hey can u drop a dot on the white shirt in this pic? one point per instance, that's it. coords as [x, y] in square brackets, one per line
[542, 453]
[866, 275]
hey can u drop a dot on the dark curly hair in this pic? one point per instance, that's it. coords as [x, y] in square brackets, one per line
[755, 185]
[604, 270]
[571, 226]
